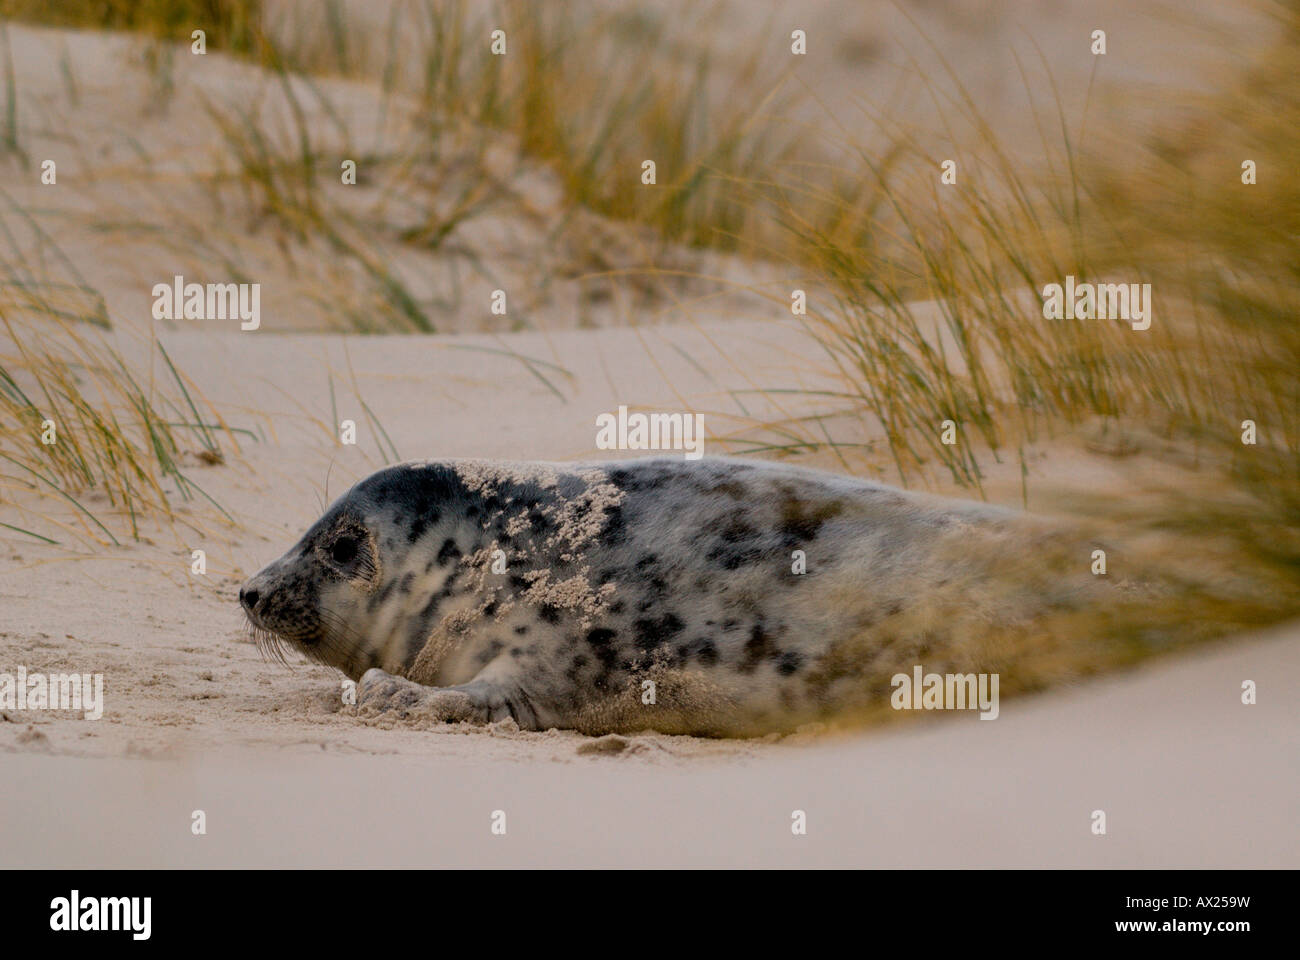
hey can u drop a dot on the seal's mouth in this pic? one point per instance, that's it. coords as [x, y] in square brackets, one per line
[273, 644]
[271, 637]
[269, 645]
[280, 621]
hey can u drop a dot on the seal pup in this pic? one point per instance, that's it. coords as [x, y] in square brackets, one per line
[717, 596]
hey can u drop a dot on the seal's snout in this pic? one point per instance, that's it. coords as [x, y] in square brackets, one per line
[253, 600]
[282, 599]
[248, 597]
[257, 597]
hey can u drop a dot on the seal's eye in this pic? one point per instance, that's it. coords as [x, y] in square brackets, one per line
[344, 550]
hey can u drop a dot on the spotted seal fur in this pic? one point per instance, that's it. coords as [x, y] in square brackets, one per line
[713, 596]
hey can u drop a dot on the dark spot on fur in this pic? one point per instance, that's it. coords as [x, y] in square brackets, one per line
[448, 552]
[650, 634]
[423, 520]
[601, 641]
[549, 612]
[731, 529]
[521, 629]
[758, 647]
[641, 478]
[430, 608]
[800, 522]
[615, 530]
[379, 599]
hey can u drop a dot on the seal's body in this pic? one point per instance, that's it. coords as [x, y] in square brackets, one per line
[709, 596]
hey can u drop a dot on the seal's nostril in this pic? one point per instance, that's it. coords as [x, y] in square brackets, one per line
[248, 598]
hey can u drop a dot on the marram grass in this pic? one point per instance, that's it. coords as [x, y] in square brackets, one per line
[74, 419]
[935, 314]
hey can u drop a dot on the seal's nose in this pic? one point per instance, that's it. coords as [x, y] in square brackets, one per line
[248, 598]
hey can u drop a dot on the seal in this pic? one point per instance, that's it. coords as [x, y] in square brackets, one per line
[716, 596]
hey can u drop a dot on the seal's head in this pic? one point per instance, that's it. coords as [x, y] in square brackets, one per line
[313, 597]
[324, 596]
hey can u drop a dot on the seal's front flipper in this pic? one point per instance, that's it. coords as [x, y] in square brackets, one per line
[381, 694]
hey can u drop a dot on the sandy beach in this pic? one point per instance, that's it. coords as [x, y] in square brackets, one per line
[195, 719]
